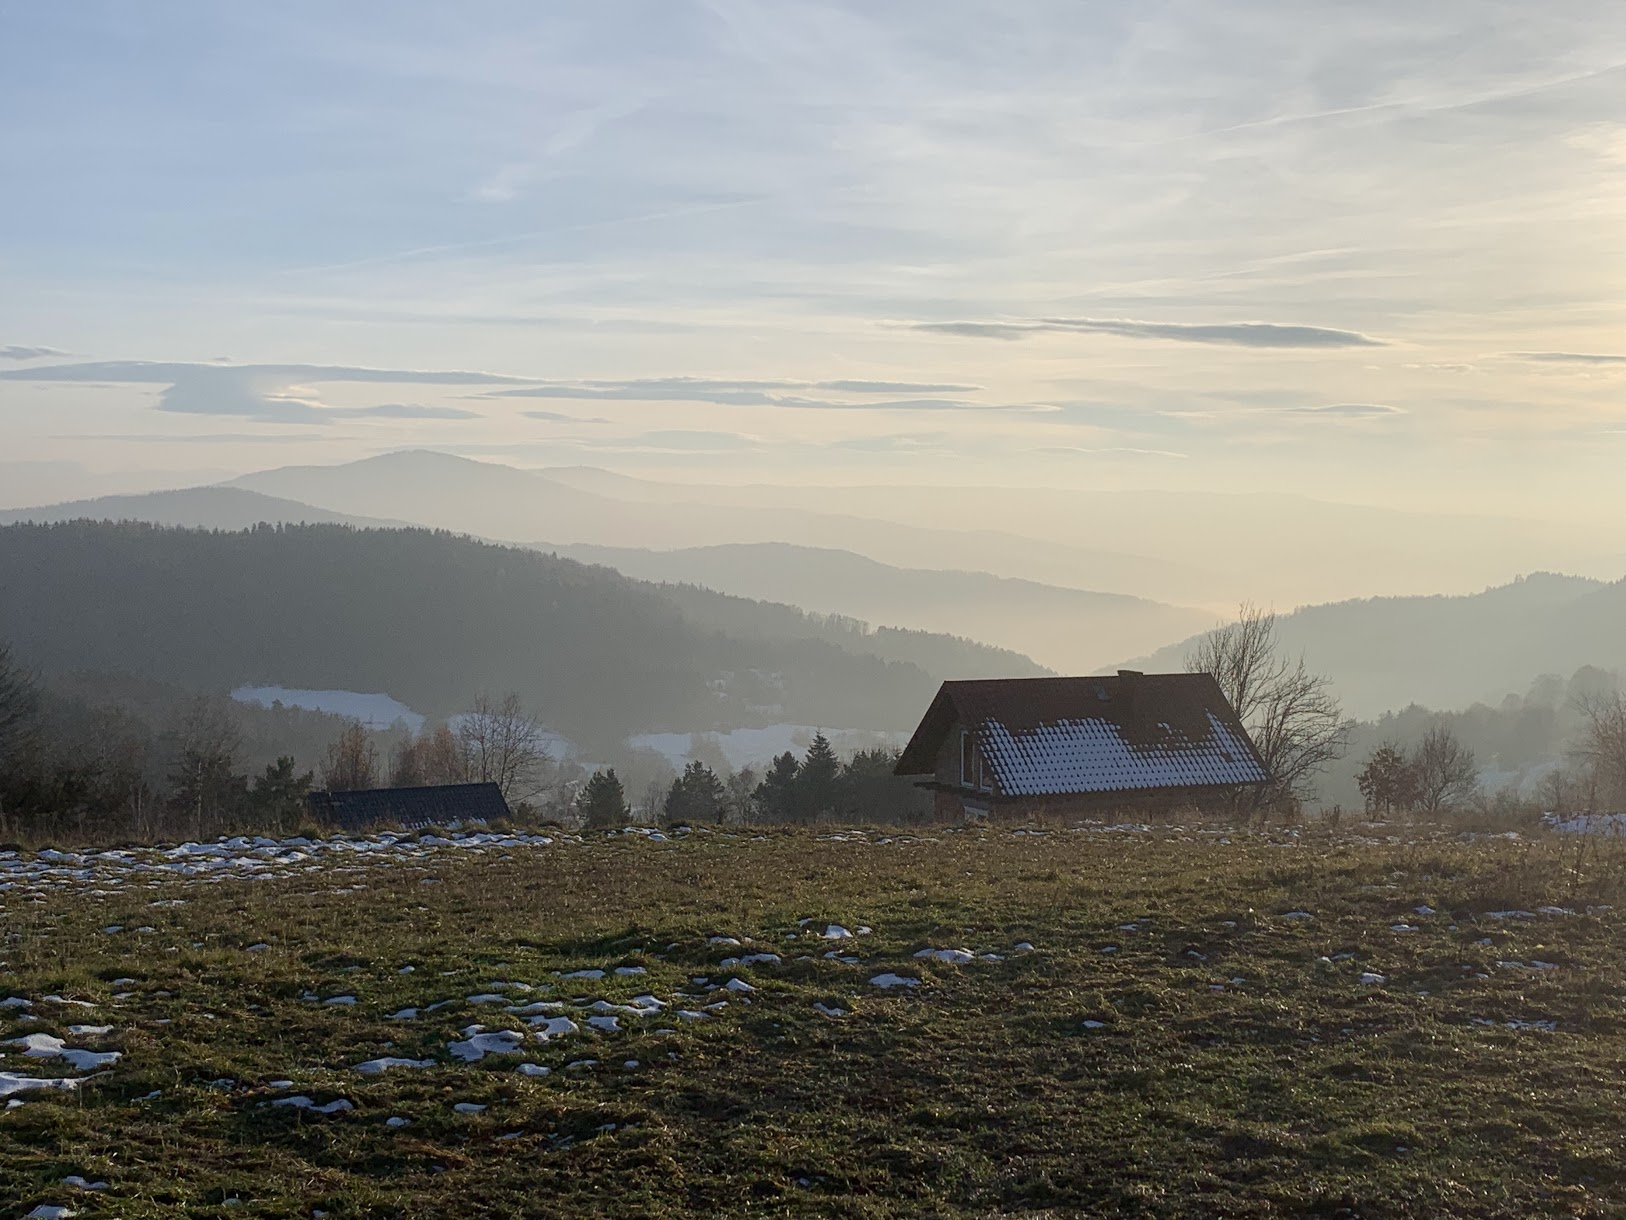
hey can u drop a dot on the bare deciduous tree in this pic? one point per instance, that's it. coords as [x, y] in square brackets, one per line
[19, 703]
[203, 778]
[1443, 770]
[503, 744]
[1603, 738]
[1289, 712]
[351, 763]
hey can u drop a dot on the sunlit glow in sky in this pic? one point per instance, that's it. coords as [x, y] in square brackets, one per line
[1370, 252]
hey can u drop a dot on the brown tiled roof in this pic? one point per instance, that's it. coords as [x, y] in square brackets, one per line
[1129, 732]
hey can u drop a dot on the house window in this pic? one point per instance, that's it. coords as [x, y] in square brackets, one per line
[972, 774]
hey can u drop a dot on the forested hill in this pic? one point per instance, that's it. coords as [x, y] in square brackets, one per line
[433, 618]
[1387, 652]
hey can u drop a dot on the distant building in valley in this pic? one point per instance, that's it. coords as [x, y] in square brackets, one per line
[1023, 747]
[412, 808]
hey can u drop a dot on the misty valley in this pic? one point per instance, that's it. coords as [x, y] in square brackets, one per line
[985, 610]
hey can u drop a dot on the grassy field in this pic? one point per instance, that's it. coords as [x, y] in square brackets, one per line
[1152, 1022]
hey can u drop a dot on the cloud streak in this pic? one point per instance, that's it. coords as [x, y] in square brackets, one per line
[1232, 334]
[862, 395]
[1109, 451]
[275, 393]
[13, 351]
[1567, 358]
[1348, 410]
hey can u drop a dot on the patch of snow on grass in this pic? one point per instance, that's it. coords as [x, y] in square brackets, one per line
[954, 957]
[376, 1067]
[479, 1045]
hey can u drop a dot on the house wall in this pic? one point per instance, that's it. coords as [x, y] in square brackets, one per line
[1078, 806]
[947, 770]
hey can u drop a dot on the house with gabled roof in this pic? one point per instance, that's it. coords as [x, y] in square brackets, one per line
[1027, 747]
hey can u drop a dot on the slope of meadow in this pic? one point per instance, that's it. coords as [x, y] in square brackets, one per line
[1147, 1021]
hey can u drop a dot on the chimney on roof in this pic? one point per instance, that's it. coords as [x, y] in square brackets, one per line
[1128, 681]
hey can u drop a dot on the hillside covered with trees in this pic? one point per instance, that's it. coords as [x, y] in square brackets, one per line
[432, 618]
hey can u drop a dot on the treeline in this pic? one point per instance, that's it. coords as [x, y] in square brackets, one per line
[80, 769]
[816, 787]
[430, 617]
[1560, 747]
[103, 759]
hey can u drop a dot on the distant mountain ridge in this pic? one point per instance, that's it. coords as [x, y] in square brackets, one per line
[1450, 651]
[1071, 630]
[433, 619]
[491, 500]
[217, 508]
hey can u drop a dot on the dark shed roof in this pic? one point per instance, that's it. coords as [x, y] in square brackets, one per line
[436, 805]
[1131, 732]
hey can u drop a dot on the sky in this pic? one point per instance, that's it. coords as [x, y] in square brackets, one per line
[1374, 253]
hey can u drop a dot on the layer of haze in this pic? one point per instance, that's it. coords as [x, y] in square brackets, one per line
[927, 254]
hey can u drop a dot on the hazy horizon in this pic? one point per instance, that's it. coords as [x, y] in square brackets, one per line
[1372, 256]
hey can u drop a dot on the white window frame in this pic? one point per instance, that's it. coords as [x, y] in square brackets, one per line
[977, 778]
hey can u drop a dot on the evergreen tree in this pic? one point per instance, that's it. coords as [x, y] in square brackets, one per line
[776, 794]
[816, 781]
[695, 796]
[602, 801]
[1388, 782]
[278, 796]
[869, 791]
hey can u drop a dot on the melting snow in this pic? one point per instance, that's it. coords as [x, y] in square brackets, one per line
[478, 1045]
[544, 1029]
[893, 980]
[10, 1083]
[954, 957]
[375, 1067]
[301, 1102]
[44, 1046]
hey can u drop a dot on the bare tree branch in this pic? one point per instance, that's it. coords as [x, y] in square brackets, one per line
[1289, 712]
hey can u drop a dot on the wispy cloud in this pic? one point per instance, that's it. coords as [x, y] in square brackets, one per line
[1234, 334]
[559, 417]
[271, 392]
[679, 441]
[1567, 357]
[862, 395]
[201, 438]
[13, 351]
[1347, 410]
[724, 391]
[1108, 451]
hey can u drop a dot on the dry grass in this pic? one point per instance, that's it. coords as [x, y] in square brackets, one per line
[1240, 1067]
